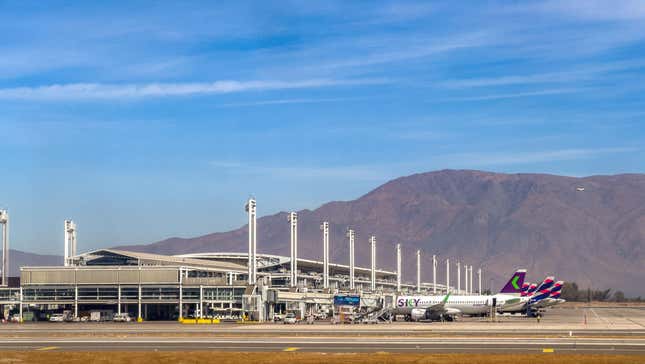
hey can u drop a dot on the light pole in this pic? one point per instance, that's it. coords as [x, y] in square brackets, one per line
[293, 223]
[447, 275]
[351, 236]
[434, 274]
[70, 242]
[252, 263]
[398, 267]
[458, 277]
[325, 229]
[4, 220]
[373, 270]
[418, 271]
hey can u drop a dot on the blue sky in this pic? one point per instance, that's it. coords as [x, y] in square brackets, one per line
[145, 120]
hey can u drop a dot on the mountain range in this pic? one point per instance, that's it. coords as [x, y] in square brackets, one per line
[590, 230]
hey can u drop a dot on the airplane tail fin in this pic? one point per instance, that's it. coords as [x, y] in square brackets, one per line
[514, 285]
[524, 289]
[556, 291]
[532, 288]
[544, 289]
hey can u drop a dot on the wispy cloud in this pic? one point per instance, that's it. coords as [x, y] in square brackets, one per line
[513, 95]
[595, 9]
[514, 158]
[353, 172]
[389, 49]
[76, 91]
[291, 101]
[383, 171]
[577, 74]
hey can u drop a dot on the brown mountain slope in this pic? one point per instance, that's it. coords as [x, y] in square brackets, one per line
[19, 259]
[595, 237]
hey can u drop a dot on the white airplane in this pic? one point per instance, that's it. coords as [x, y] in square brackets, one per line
[446, 307]
[536, 297]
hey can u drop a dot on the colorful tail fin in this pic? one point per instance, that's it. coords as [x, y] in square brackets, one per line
[514, 285]
[531, 291]
[544, 289]
[524, 290]
[556, 291]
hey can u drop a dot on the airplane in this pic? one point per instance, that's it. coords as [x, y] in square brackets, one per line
[524, 289]
[530, 301]
[417, 308]
[553, 298]
[543, 291]
[531, 289]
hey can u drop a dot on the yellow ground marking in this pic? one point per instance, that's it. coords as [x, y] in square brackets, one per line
[548, 350]
[47, 348]
[290, 349]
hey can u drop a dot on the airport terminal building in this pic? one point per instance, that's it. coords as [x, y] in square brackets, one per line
[155, 287]
[223, 285]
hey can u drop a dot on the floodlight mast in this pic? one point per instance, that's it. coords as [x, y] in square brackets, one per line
[398, 267]
[459, 277]
[434, 274]
[293, 223]
[70, 243]
[4, 221]
[447, 275]
[466, 278]
[351, 236]
[325, 229]
[418, 271]
[252, 262]
[373, 270]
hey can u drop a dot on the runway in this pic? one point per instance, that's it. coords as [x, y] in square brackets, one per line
[571, 330]
[399, 345]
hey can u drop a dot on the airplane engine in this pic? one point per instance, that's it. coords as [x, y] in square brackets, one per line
[417, 314]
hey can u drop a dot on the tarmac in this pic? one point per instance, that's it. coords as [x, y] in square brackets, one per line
[614, 330]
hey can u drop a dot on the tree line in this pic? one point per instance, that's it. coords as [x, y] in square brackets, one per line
[571, 292]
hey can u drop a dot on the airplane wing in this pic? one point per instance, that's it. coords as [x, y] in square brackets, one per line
[439, 311]
[441, 306]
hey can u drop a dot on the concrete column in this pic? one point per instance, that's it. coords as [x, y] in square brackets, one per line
[398, 267]
[447, 275]
[181, 296]
[418, 271]
[20, 304]
[139, 317]
[201, 301]
[470, 279]
[479, 279]
[75, 300]
[325, 229]
[373, 266]
[119, 299]
[252, 261]
[434, 274]
[293, 223]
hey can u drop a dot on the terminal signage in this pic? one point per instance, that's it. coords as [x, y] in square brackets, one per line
[347, 300]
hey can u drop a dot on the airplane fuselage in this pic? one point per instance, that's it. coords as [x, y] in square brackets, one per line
[467, 305]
